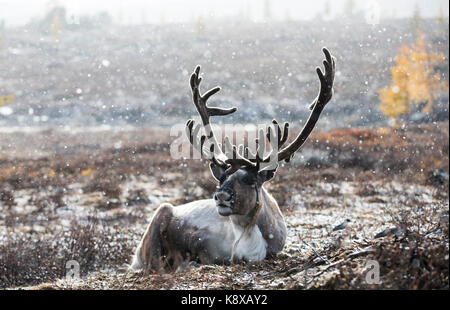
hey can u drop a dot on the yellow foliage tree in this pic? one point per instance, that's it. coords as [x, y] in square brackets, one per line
[8, 98]
[414, 81]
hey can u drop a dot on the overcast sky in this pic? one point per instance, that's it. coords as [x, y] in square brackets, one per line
[17, 12]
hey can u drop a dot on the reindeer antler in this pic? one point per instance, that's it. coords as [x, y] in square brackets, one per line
[205, 113]
[324, 96]
[282, 138]
[238, 159]
[242, 156]
[200, 100]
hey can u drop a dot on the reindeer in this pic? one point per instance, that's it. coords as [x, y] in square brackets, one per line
[243, 221]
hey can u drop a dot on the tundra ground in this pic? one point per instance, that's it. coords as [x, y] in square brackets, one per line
[88, 196]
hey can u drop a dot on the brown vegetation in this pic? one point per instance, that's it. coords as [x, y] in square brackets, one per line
[92, 205]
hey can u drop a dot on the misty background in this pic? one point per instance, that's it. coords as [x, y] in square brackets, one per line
[20, 12]
[110, 63]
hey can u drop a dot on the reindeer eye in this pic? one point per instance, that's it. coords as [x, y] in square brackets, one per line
[246, 179]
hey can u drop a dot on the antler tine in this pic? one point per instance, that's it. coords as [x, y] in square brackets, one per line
[258, 157]
[282, 136]
[260, 145]
[189, 130]
[192, 133]
[248, 154]
[241, 150]
[236, 155]
[203, 110]
[262, 159]
[213, 158]
[237, 160]
[206, 112]
[326, 80]
[317, 106]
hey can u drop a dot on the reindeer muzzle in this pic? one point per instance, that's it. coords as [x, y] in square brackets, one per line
[224, 200]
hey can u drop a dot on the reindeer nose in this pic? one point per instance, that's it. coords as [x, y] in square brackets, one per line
[222, 196]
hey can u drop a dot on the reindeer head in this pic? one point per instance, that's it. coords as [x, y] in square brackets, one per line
[238, 192]
[240, 172]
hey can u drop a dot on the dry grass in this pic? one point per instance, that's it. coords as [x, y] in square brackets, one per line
[27, 259]
[417, 259]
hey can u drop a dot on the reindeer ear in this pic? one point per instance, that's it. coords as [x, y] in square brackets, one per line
[266, 175]
[217, 171]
